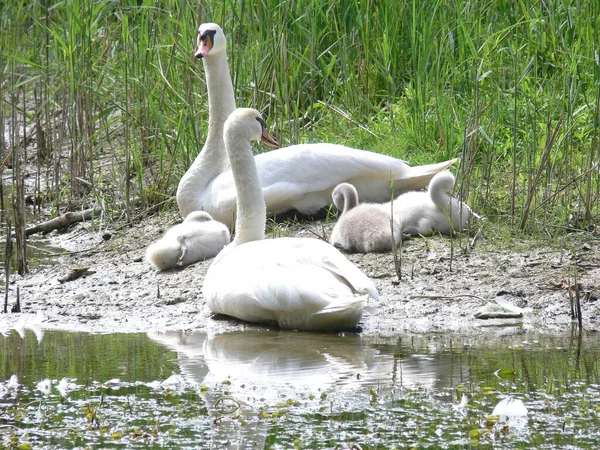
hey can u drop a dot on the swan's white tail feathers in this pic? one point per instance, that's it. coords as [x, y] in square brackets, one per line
[345, 305]
[418, 177]
[356, 280]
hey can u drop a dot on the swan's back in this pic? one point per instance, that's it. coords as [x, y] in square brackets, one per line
[302, 177]
[303, 284]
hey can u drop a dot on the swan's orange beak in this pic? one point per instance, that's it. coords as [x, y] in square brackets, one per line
[205, 43]
[267, 140]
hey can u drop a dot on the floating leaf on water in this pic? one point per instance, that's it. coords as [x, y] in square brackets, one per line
[226, 382]
[24, 446]
[323, 395]
[44, 386]
[474, 434]
[374, 395]
[13, 382]
[487, 389]
[463, 403]
[505, 373]
[174, 381]
[490, 421]
[118, 435]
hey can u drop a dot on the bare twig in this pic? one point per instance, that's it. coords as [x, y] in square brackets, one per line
[448, 296]
[7, 257]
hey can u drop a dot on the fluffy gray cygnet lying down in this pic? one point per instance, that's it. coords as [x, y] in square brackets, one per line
[366, 227]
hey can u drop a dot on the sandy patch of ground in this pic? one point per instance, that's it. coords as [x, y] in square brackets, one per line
[123, 293]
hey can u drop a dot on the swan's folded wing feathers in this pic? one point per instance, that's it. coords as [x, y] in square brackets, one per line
[308, 163]
[288, 280]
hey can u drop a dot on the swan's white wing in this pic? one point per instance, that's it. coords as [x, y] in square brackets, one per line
[289, 281]
[303, 176]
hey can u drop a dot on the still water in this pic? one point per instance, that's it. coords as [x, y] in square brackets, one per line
[280, 390]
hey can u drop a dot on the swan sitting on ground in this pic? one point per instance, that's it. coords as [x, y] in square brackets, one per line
[198, 237]
[366, 227]
[297, 283]
[300, 177]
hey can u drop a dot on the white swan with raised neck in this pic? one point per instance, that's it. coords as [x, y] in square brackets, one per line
[296, 283]
[299, 177]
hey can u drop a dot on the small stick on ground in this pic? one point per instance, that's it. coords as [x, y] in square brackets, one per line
[7, 256]
[17, 306]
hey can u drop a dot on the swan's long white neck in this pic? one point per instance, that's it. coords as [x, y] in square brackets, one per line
[212, 160]
[251, 208]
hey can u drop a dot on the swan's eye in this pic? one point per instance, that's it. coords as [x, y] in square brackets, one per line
[207, 34]
[262, 122]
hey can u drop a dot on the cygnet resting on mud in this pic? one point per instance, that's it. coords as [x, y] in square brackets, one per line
[197, 238]
[366, 227]
[363, 228]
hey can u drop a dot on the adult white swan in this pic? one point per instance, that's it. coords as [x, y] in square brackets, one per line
[300, 177]
[298, 283]
[366, 227]
[197, 238]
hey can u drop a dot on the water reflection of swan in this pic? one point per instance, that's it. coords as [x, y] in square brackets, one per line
[272, 362]
[261, 369]
[256, 369]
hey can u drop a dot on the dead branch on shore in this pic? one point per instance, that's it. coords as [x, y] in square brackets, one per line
[64, 221]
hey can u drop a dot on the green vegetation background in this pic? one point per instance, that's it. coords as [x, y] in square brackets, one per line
[512, 87]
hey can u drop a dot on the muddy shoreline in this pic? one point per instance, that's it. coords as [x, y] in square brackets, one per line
[121, 292]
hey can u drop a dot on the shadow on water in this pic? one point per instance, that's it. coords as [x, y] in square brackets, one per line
[275, 389]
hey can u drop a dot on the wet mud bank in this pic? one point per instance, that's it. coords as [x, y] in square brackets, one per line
[102, 283]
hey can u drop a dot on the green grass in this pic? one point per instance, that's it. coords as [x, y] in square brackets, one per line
[513, 88]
